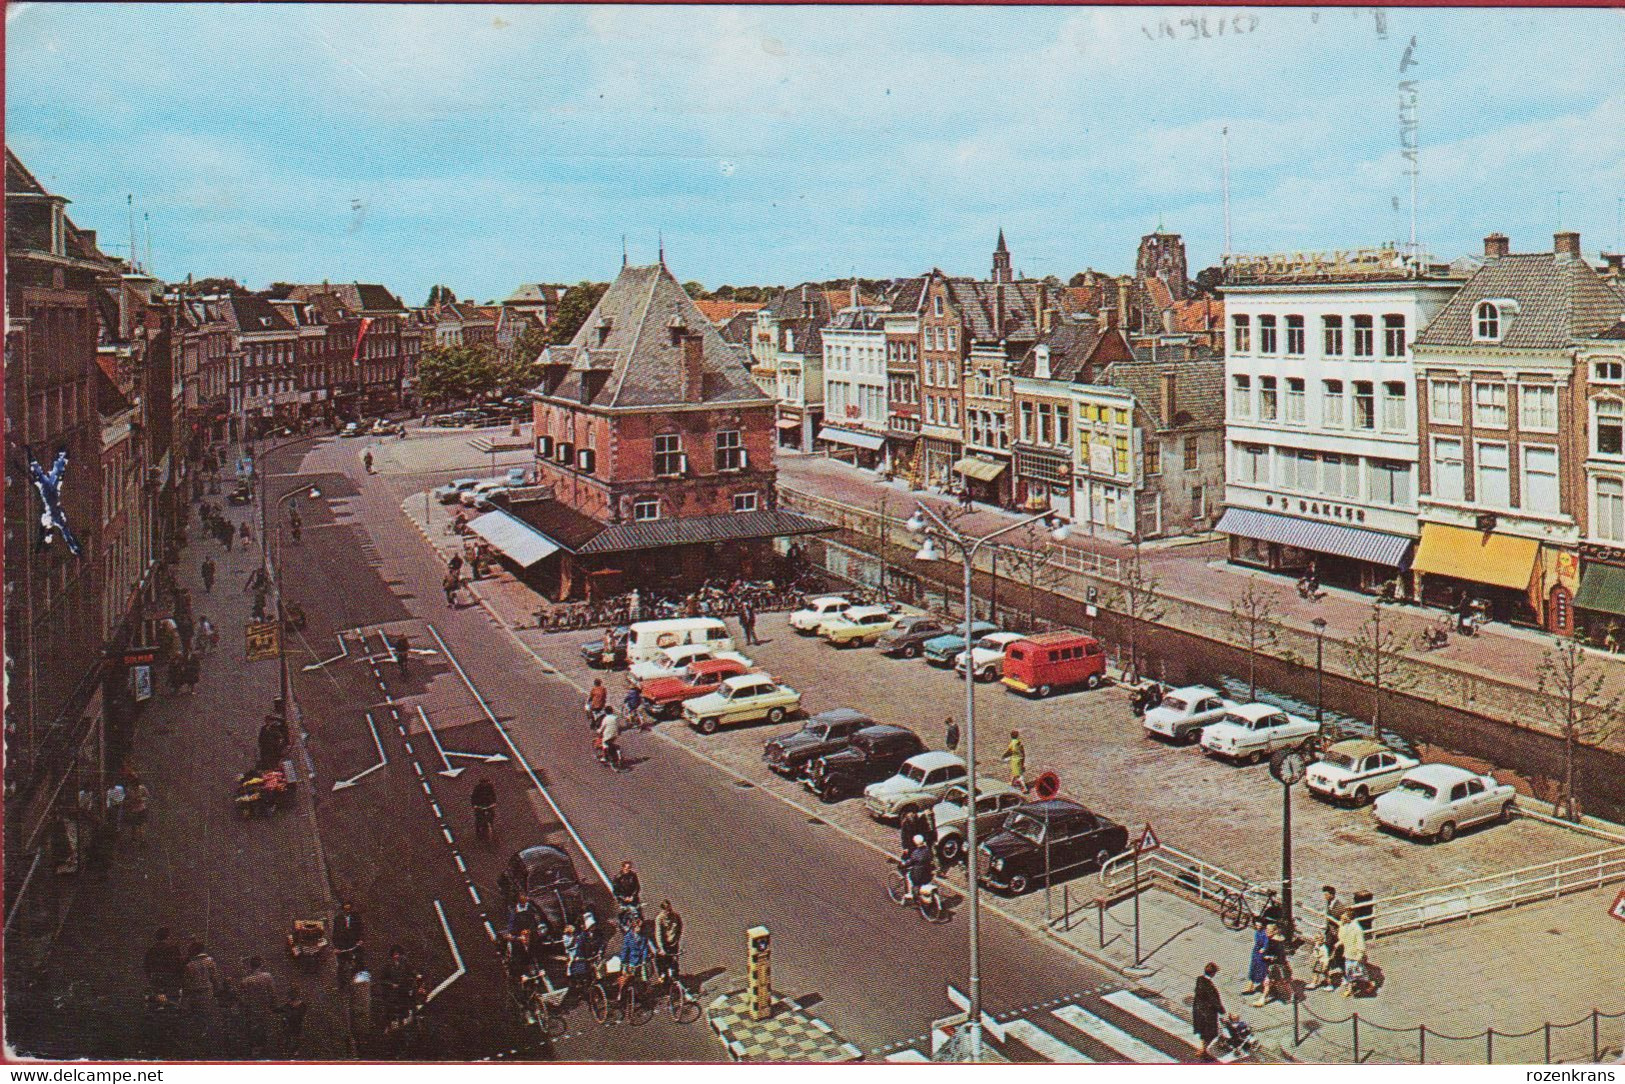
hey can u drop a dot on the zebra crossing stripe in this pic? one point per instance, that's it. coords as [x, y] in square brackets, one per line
[1158, 1018]
[1119, 1040]
[907, 1055]
[1043, 1043]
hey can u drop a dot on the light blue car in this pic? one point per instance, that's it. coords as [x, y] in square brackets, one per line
[452, 492]
[945, 648]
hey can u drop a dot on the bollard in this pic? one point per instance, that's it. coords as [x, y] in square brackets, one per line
[361, 1004]
[759, 959]
[1100, 921]
[1421, 1044]
[1489, 1047]
[1596, 1051]
[1356, 1019]
[1548, 1030]
[1296, 1037]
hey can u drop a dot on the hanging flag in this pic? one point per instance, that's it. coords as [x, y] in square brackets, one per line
[366, 322]
[48, 484]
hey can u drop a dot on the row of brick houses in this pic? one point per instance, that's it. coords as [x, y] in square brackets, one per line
[1101, 400]
[1454, 431]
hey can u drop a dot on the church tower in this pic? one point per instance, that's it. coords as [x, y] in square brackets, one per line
[1001, 262]
[1162, 255]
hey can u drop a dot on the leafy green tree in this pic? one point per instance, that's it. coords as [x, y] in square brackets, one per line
[723, 293]
[279, 290]
[1576, 699]
[440, 295]
[696, 290]
[574, 308]
[216, 285]
[456, 373]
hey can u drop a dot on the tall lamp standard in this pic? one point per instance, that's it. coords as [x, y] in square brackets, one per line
[924, 521]
[274, 573]
[1320, 669]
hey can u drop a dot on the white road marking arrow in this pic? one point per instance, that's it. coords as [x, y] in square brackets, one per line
[383, 758]
[344, 653]
[455, 955]
[445, 758]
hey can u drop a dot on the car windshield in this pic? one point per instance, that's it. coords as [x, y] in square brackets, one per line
[1174, 703]
[989, 644]
[1237, 720]
[1416, 786]
[819, 733]
[1339, 760]
[913, 773]
[1027, 827]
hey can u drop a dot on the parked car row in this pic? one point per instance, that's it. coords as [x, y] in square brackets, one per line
[1035, 665]
[478, 492]
[513, 408]
[1422, 801]
[371, 427]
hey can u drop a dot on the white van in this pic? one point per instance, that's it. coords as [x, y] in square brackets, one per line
[648, 637]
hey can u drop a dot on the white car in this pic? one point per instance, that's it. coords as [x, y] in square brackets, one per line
[859, 625]
[1184, 712]
[994, 801]
[987, 656]
[916, 786]
[1251, 732]
[817, 612]
[672, 661]
[452, 492]
[743, 698]
[1357, 771]
[479, 494]
[1436, 801]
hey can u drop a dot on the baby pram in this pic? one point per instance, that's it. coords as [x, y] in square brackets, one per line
[1235, 1040]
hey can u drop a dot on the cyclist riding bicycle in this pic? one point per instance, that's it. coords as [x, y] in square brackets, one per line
[917, 867]
[484, 801]
[628, 894]
[668, 940]
[637, 953]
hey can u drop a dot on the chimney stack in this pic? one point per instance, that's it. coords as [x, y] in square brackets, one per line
[1122, 303]
[807, 307]
[1170, 401]
[693, 368]
[998, 310]
[1566, 243]
[1496, 244]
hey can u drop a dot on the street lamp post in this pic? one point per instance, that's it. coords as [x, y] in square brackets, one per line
[923, 519]
[1320, 669]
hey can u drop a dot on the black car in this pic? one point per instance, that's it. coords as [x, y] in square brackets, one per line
[791, 752]
[607, 653]
[544, 875]
[1057, 837]
[872, 754]
[907, 638]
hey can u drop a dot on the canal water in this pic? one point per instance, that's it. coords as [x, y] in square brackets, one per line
[1530, 760]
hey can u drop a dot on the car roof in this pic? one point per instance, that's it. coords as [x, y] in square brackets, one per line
[864, 611]
[1003, 637]
[1053, 639]
[746, 679]
[841, 715]
[1053, 809]
[1256, 711]
[1359, 747]
[1192, 692]
[827, 598]
[543, 856]
[885, 730]
[1440, 774]
[989, 787]
[936, 758]
[712, 666]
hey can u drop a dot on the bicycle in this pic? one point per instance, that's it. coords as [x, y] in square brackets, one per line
[627, 997]
[1247, 905]
[682, 1004]
[927, 899]
[542, 1002]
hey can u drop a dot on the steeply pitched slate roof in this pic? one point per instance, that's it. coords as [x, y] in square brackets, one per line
[1198, 314]
[1560, 299]
[791, 304]
[1198, 388]
[557, 521]
[864, 319]
[356, 296]
[908, 295]
[645, 366]
[536, 291]
[1071, 345]
[978, 304]
[250, 314]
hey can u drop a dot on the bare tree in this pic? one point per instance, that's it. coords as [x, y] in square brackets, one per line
[1573, 688]
[1252, 624]
[1136, 597]
[1027, 564]
[1373, 655]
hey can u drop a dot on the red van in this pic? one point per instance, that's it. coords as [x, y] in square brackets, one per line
[1038, 665]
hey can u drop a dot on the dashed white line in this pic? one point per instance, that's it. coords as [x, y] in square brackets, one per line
[475, 894]
[407, 744]
[461, 868]
[447, 833]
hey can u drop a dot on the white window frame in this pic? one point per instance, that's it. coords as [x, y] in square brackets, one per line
[1390, 402]
[1241, 396]
[668, 455]
[1543, 395]
[1490, 409]
[1612, 504]
[1449, 469]
[1292, 407]
[1371, 397]
[1554, 505]
[745, 502]
[1269, 399]
[1241, 333]
[640, 510]
[1616, 409]
[730, 450]
[1331, 336]
[1394, 323]
[1333, 404]
[1505, 469]
[1365, 336]
[1439, 395]
[1487, 322]
[1268, 334]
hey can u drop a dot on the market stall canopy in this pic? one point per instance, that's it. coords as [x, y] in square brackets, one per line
[523, 544]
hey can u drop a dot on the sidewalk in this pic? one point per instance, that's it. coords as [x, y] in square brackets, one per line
[201, 870]
[1492, 674]
[1513, 971]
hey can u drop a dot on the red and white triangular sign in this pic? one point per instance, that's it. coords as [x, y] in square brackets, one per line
[1148, 841]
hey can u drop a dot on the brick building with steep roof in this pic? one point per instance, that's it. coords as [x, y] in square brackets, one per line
[656, 450]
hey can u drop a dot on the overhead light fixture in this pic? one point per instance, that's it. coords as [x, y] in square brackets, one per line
[916, 522]
[928, 552]
[1062, 531]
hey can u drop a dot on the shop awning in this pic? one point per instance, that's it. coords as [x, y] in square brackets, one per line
[1478, 556]
[1602, 588]
[520, 542]
[983, 470]
[789, 423]
[857, 440]
[1333, 538]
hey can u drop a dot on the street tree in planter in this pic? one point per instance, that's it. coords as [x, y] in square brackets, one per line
[1137, 597]
[1252, 624]
[1575, 701]
[1374, 657]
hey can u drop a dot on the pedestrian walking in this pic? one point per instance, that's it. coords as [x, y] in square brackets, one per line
[200, 978]
[1015, 754]
[1351, 937]
[633, 703]
[1277, 968]
[450, 585]
[207, 634]
[1257, 964]
[950, 734]
[1207, 1007]
[292, 1012]
[260, 602]
[366, 460]
[1330, 970]
[747, 621]
[136, 798]
[208, 575]
[256, 995]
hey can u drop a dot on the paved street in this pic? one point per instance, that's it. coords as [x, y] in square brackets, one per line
[722, 852]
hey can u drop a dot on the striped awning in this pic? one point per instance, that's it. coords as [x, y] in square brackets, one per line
[1333, 538]
[983, 470]
[867, 441]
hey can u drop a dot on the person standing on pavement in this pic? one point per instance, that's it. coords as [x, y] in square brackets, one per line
[597, 701]
[668, 940]
[366, 460]
[1351, 937]
[208, 575]
[136, 798]
[1257, 964]
[256, 993]
[1335, 911]
[450, 585]
[1207, 1007]
[348, 935]
[1278, 968]
[950, 734]
[747, 621]
[245, 533]
[1016, 755]
[200, 978]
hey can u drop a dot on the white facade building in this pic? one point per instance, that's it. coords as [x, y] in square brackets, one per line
[855, 408]
[1321, 426]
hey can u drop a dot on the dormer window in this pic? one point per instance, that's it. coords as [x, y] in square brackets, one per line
[603, 327]
[1492, 319]
[678, 327]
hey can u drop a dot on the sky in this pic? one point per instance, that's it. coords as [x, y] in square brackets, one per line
[485, 146]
